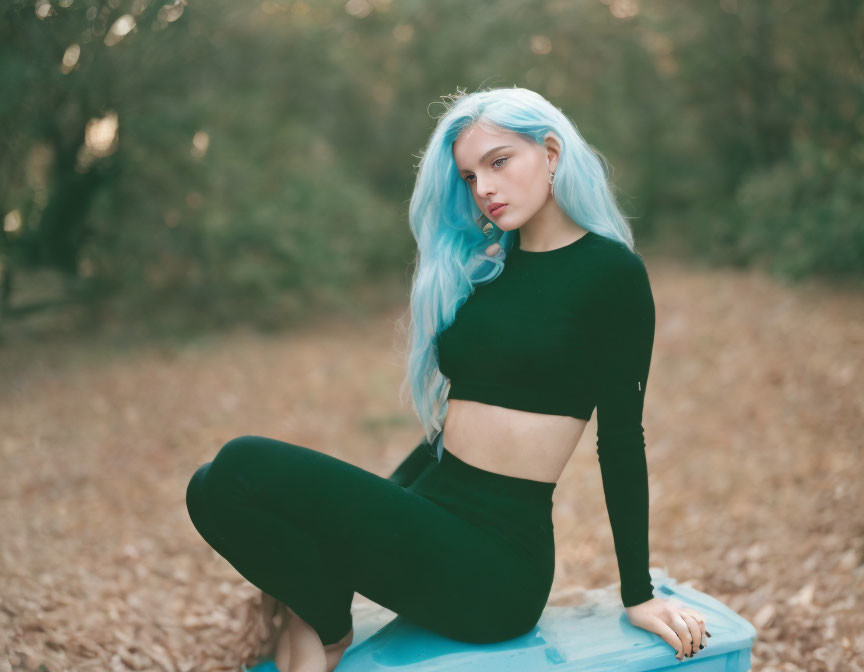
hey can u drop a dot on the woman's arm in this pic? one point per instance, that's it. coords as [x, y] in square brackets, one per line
[627, 342]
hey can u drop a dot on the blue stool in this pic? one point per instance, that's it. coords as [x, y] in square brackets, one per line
[592, 637]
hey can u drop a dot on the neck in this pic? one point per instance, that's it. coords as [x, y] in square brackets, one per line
[549, 229]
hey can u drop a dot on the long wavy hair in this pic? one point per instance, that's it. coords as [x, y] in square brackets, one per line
[451, 258]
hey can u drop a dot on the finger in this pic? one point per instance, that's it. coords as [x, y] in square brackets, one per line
[700, 619]
[668, 635]
[695, 632]
[679, 625]
[703, 626]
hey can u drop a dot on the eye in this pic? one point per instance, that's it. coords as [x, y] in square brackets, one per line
[500, 158]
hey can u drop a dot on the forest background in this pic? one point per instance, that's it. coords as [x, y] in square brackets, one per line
[203, 234]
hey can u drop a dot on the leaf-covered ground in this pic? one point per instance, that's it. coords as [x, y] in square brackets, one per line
[754, 422]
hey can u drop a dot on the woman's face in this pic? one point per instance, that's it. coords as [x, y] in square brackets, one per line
[504, 167]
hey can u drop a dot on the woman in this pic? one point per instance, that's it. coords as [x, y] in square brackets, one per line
[513, 345]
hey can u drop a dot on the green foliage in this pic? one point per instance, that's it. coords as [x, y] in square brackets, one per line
[265, 153]
[803, 216]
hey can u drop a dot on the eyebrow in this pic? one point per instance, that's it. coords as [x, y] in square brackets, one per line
[491, 151]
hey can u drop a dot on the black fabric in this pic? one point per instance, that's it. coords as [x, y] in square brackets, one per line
[462, 551]
[415, 463]
[563, 332]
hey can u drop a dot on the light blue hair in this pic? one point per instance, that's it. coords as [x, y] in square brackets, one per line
[451, 256]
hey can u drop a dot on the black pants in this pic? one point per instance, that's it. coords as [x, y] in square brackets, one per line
[464, 552]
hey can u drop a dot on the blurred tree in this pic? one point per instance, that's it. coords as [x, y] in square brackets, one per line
[254, 161]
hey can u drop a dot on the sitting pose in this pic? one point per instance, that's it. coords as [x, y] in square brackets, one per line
[529, 308]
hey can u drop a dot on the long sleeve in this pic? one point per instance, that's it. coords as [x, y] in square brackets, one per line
[417, 461]
[627, 342]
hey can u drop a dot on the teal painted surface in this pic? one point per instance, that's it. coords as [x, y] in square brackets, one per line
[591, 637]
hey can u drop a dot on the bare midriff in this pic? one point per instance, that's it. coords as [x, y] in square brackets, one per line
[508, 441]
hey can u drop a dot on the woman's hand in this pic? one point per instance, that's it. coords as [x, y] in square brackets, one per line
[681, 627]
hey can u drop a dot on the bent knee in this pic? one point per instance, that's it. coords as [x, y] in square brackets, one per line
[245, 463]
[237, 448]
[235, 455]
[194, 489]
[229, 474]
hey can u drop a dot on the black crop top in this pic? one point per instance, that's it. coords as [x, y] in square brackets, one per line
[562, 332]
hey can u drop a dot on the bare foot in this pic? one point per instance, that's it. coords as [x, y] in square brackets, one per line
[307, 653]
[335, 651]
[282, 656]
[270, 607]
[258, 639]
[294, 645]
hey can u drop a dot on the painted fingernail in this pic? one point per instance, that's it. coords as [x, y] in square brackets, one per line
[707, 633]
[701, 646]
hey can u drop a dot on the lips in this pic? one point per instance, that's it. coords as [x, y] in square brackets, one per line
[495, 207]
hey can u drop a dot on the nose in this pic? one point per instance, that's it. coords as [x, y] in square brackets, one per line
[483, 189]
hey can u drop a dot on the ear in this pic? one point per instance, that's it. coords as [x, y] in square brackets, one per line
[552, 146]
